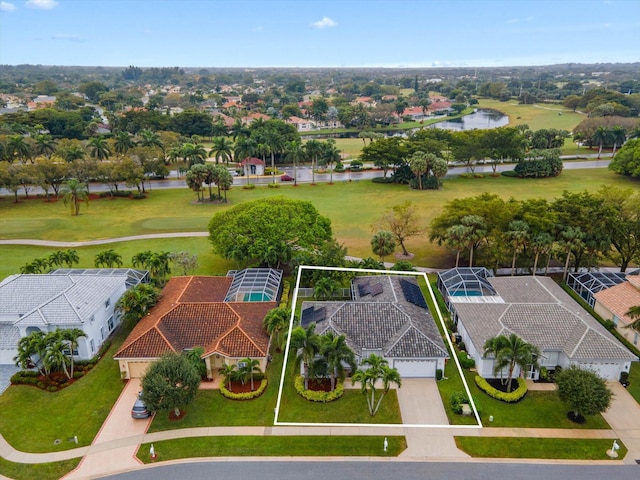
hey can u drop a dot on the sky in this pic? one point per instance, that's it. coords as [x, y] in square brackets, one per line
[328, 33]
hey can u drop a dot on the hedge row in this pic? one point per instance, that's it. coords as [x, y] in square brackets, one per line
[512, 397]
[316, 396]
[244, 396]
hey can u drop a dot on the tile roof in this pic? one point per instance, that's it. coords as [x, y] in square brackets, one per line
[191, 314]
[620, 298]
[539, 311]
[386, 321]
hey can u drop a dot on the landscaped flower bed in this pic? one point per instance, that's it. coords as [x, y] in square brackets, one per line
[510, 397]
[241, 392]
[319, 395]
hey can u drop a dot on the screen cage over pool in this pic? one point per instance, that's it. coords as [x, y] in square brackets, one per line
[255, 285]
[464, 282]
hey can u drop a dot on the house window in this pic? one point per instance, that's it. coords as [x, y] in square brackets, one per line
[92, 346]
[102, 333]
[107, 303]
[616, 320]
[242, 364]
[635, 339]
[66, 351]
[110, 323]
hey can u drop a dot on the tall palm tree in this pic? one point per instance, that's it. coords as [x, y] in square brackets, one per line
[18, 148]
[149, 138]
[74, 152]
[510, 352]
[337, 353]
[634, 314]
[56, 259]
[239, 130]
[31, 351]
[108, 259]
[74, 192]
[330, 155]
[476, 230]
[456, 239]
[377, 369]
[618, 137]
[194, 154]
[275, 323]
[306, 341]
[518, 233]
[313, 148]
[249, 367]
[295, 153]
[45, 145]
[122, 143]
[418, 164]
[541, 244]
[71, 335]
[570, 238]
[229, 373]
[276, 143]
[243, 149]
[601, 136]
[70, 257]
[222, 149]
[54, 357]
[134, 304]
[99, 148]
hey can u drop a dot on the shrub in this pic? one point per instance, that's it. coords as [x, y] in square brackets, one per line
[438, 374]
[78, 374]
[511, 397]
[315, 396]
[40, 385]
[273, 185]
[139, 196]
[609, 325]
[465, 360]
[624, 378]
[244, 396]
[382, 179]
[509, 173]
[251, 186]
[456, 400]
[284, 298]
[52, 388]
[356, 165]
[339, 167]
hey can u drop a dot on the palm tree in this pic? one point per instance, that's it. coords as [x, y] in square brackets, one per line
[54, 357]
[295, 153]
[222, 149]
[70, 257]
[30, 347]
[307, 343]
[45, 145]
[476, 230]
[275, 323]
[229, 373]
[383, 243]
[248, 368]
[56, 259]
[99, 148]
[71, 335]
[17, 147]
[73, 193]
[330, 155]
[108, 259]
[149, 138]
[313, 148]
[239, 130]
[325, 288]
[377, 370]
[276, 143]
[123, 143]
[570, 238]
[634, 314]
[418, 164]
[193, 154]
[518, 233]
[134, 304]
[618, 137]
[540, 243]
[456, 239]
[601, 136]
[510, 352]
[337, 353]
[74, 152]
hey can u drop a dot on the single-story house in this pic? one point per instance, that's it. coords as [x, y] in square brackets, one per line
[587, 284]
[64, 299]
[252, 166]
[301, 124]
[613, 303]
[537, 310]
[223, 315]
[387, 316]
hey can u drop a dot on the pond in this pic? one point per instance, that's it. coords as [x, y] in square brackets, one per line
[478, 120]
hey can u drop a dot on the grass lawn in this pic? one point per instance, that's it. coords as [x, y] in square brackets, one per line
[41, 471]
[536, 116]
[353, 208]
[32, 418]
[273, 446]
[634, 379]
[560, 448]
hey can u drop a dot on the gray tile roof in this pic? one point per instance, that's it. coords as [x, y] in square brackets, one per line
[540, 312]
[9, 337]
[55, 299]
[384, 322]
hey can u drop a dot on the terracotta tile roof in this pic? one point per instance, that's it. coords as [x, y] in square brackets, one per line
[252, 161]
[620, 298]
[191, 314]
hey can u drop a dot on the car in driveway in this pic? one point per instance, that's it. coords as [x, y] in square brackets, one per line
[139, 409]
[286, 178]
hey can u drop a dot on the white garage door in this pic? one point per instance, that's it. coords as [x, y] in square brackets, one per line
[416, 368]
[609, 371]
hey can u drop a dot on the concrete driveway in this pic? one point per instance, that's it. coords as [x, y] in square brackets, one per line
[624, 417]
[118, 424]
[6, 371]
[420, 404]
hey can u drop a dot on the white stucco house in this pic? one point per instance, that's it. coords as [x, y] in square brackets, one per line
[537, 310]
[63, 299]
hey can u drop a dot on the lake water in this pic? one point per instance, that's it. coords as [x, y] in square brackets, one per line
[480, 119]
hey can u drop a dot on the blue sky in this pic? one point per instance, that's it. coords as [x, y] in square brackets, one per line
[300, 33]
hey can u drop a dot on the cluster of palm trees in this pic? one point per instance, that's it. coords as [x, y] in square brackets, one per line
[614, 136]
[243, 372]
[49, 352]
[57, 259]
[376, 371]
[510, 352]
[136, 302]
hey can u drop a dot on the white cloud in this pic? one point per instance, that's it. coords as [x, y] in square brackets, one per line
[257, 29]
[7, 7]
[325, 22]
[68, 37]
[41, 4]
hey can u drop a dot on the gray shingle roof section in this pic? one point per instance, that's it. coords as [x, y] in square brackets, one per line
[134, 277]
[55, 299]
[539, 311]
[9, 336]
[384, 322]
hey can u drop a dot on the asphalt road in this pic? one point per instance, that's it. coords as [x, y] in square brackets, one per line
[388, 470]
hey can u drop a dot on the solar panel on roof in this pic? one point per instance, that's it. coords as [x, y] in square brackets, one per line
[376, 289]
[364, 290]
[319, 314]
[307, 316]
[412, 293]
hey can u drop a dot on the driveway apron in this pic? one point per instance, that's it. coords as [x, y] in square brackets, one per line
[624, 417]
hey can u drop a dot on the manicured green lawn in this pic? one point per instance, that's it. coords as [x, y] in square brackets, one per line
[634, 379]
[560, 448]
[352, 207]
[32, 419]
[273, 446]
[41, 471]
[536, 116]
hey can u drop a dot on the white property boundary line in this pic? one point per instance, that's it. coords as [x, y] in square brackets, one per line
[378, 425]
